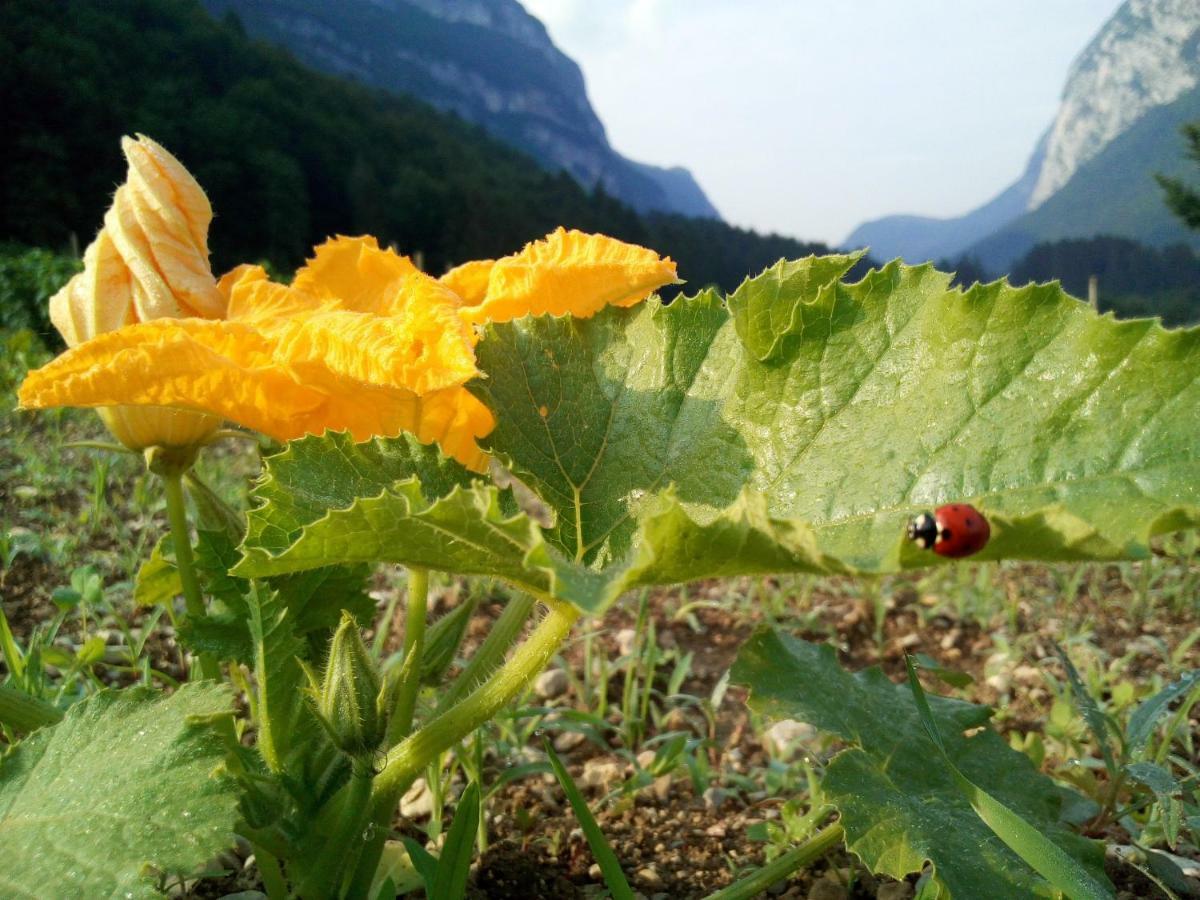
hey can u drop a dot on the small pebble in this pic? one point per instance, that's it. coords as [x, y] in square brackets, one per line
[649, 877]
[600, 773]
[567, 741]
[551, 684]
[1028, 675]
[417, 800]
[626, 638]
[713, 798]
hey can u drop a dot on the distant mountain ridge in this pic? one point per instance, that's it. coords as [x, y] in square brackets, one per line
[489, 61]
[1091, 173]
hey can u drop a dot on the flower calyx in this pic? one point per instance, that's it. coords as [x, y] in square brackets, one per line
[351, 699]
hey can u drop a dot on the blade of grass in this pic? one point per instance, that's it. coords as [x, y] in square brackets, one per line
[610, 868]
[1038, 851]
[423, 861]
[758, 881]
[12, 653]
[454, 865]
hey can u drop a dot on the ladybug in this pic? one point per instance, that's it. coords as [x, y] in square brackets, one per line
[955, 530]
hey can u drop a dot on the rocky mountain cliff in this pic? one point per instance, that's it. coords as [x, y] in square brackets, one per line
[490, 62]
[1126, 95]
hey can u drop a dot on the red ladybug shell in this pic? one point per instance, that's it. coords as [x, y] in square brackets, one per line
[962, 530]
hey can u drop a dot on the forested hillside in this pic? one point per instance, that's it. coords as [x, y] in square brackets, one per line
[1133, 279]
[287, 155]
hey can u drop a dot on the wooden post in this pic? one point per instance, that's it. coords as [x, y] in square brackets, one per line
[1094, 292]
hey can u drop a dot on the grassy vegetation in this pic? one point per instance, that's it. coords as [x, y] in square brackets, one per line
[638, 706]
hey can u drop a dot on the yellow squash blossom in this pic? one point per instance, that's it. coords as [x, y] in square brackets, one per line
[149, 261]
[361, 341]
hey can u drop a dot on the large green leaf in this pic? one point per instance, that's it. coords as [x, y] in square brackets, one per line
[899, 805]
[1078, 434]
[128, 780]
[795, 428]
[312, 476]
[405, 503]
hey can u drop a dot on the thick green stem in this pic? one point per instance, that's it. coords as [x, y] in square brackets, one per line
[757, 883]
[339, 853]
[491, 652]
[182, 539]
[414, 647]
[23, 713]
[408, 758]
[271, 873]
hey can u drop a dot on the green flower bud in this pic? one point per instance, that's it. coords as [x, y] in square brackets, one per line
[351, 700]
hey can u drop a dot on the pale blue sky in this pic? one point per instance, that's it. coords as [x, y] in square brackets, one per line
[808, 117]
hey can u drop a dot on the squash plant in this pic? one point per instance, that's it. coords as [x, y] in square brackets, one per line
[795, 425]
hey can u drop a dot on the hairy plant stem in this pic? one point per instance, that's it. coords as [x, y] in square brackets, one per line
[24, 713]
[271, 873]
[491, 652]
[408, 758]
[756, 883]
[335, 864]
[414, 647]
[206, 665]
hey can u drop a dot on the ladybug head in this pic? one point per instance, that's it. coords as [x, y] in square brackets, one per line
[923, 530]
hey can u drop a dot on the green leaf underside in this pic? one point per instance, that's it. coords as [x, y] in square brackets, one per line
[314, 599]
[795, 428]
[127, 780]
[899, 806]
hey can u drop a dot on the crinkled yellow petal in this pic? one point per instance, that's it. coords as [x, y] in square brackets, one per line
[170, 188]
[570, 273]
[98, 299]
[210, 366]
[354, 274]
[470, 280]
[217, 367]
[425, 346]
[150, 260]
[253, 298]
[416, 353]
[233, 371]
[159, 222]
[455, 419]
